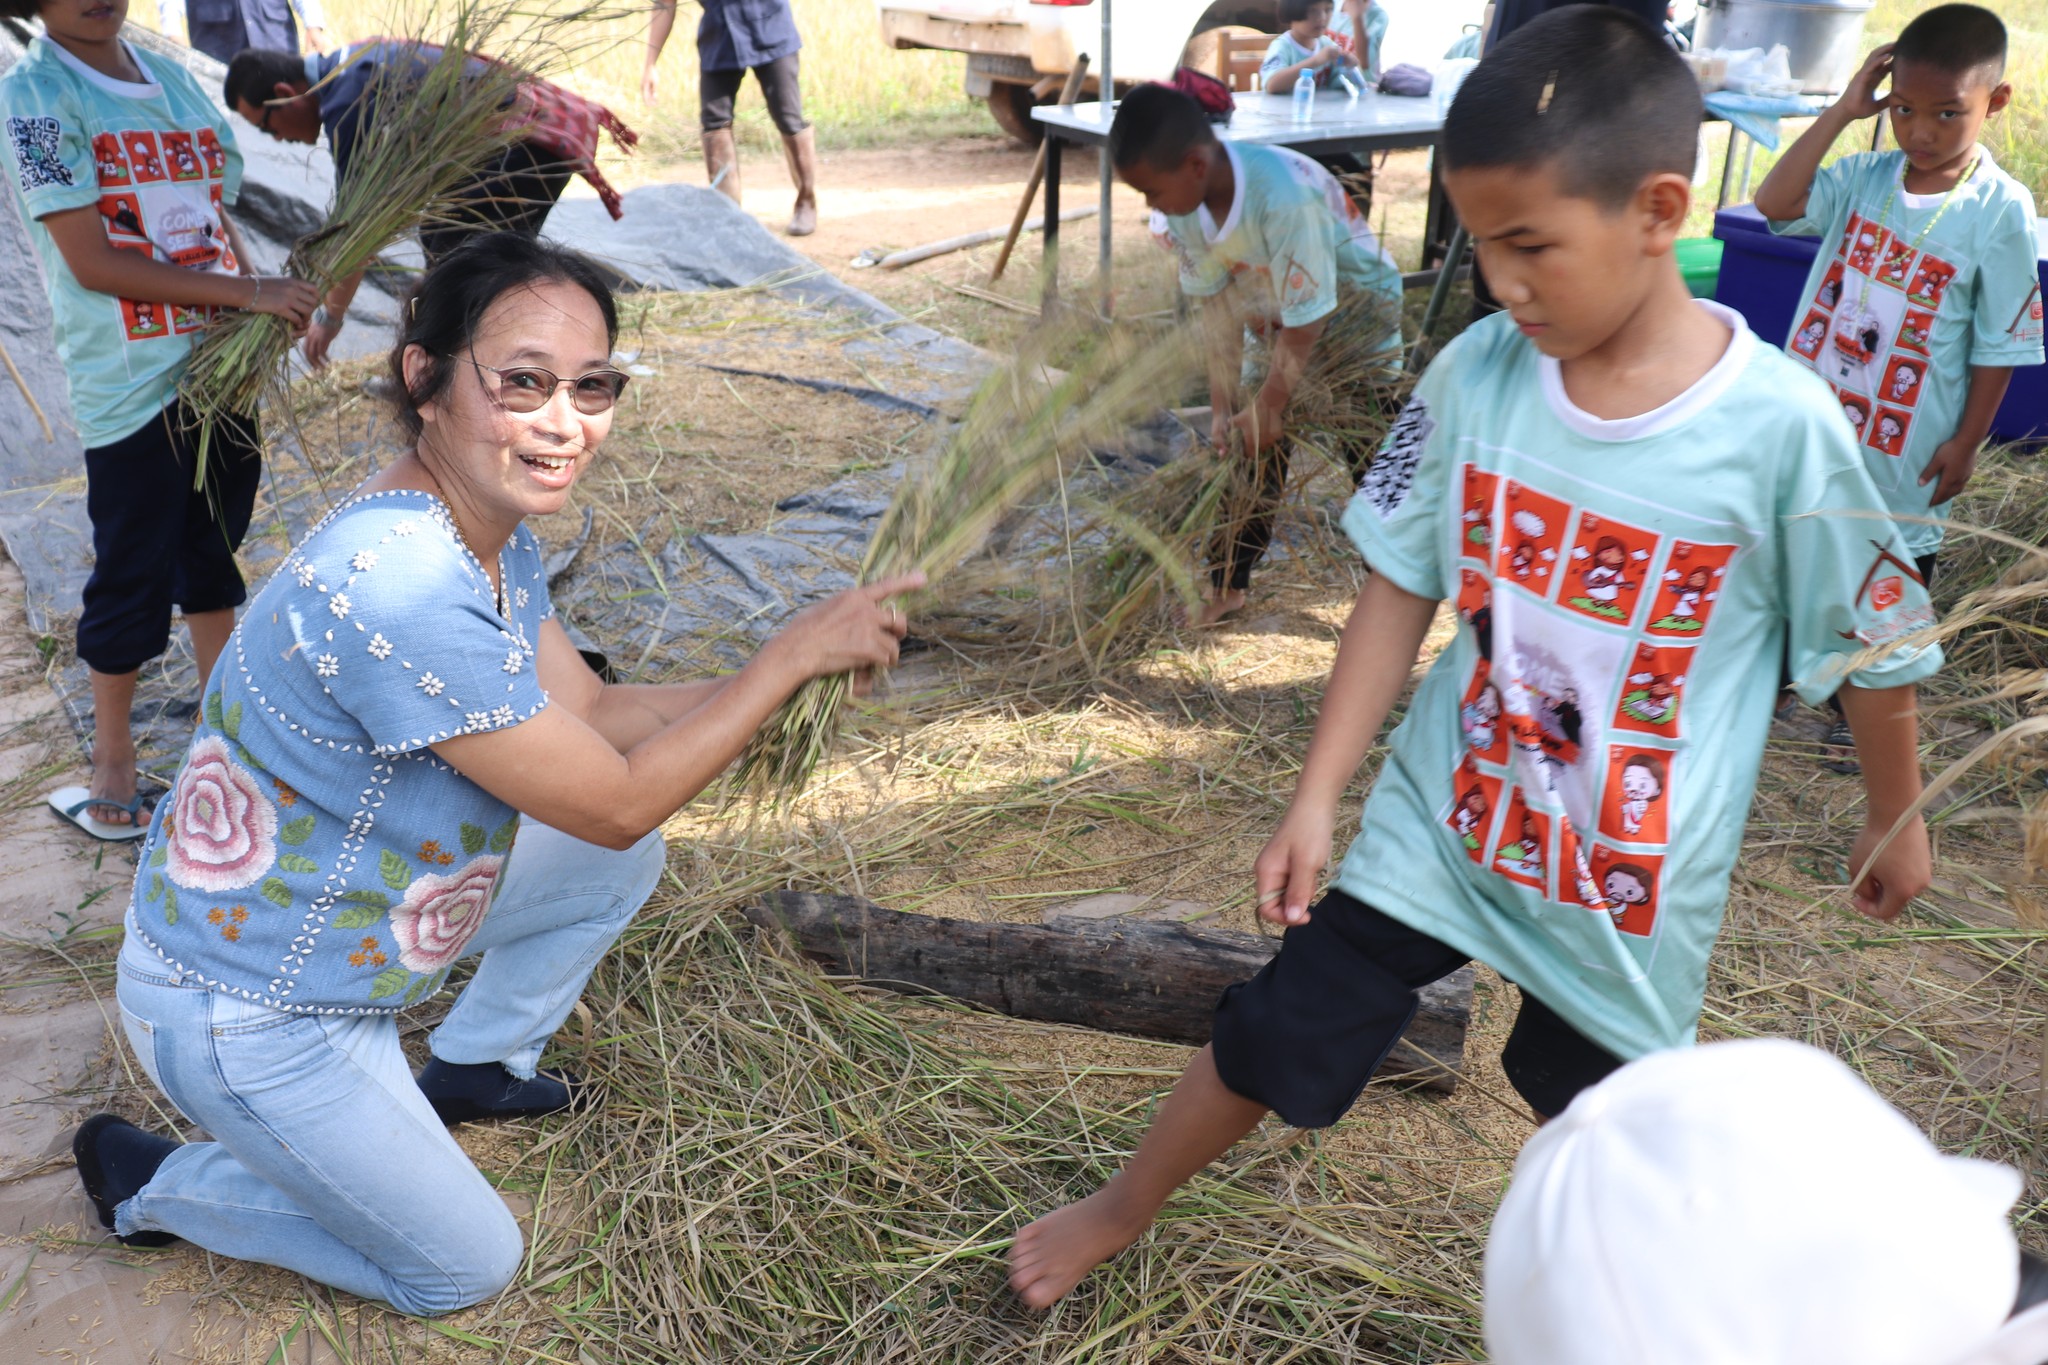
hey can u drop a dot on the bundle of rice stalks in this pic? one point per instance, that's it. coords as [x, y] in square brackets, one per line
[1026, 427]
[438, 120]
[804, 1176]
[1161, 528]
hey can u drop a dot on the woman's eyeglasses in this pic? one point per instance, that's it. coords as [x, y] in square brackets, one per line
[528, 388]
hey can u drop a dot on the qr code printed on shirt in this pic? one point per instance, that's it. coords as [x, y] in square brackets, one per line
[1392, 473]
[35, 152]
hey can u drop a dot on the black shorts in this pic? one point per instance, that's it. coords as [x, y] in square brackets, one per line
[156, 540]
[716, 89]
[1305, 1035]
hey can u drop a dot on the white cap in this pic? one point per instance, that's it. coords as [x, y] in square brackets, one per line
[1749, 1203]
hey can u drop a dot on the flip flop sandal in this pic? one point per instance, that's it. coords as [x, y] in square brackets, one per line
[73, 802]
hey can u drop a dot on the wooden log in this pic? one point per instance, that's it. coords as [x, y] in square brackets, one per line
[1141, 977]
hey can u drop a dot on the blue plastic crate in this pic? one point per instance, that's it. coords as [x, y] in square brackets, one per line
[1763, 277]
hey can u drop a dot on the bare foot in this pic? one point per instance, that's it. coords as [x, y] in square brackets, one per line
[1221, 604]
[113, 777]
[803, 221]
[1055, 1253]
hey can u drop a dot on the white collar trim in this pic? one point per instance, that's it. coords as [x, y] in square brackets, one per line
[1705, 391]
[1210, 232]
[150, 89]
[1920, 203]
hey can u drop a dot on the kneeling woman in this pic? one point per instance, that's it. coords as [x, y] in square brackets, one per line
[404, 762]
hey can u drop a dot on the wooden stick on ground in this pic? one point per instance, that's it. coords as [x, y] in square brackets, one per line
[1148, 978]
[22, 384]
[1070, 92]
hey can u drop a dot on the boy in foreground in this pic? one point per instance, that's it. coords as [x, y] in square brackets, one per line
[1606, 405]
[1272, 245]
[1930, 294]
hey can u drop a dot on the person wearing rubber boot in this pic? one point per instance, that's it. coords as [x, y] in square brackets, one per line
[733, 38]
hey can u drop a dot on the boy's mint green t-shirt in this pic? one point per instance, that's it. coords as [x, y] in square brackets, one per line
[159, 161]
[1292, 238]
[1566, 797]
[1908, 292]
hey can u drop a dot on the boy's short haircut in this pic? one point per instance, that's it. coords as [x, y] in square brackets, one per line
[1589, 89]
[20, 10]
[254, 74]
[1157, 125]
[1294, 11]
[1957, 39]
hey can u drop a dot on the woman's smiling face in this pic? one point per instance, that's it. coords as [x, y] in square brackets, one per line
[506, 465]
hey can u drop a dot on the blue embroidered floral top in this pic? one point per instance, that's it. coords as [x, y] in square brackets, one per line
[314, 854]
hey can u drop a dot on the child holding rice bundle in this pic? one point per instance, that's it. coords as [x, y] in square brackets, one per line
[1279, 256]
[1607, 411]
[123, 170]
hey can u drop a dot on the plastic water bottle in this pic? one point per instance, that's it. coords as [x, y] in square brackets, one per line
[1351, 81]
[1304, 97]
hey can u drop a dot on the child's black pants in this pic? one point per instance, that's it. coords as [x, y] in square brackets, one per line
[1305, 1035]
[156, 540]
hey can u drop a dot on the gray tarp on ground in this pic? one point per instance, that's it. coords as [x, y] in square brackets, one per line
[715, 593]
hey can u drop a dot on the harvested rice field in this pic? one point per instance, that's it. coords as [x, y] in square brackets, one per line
[786, 1168]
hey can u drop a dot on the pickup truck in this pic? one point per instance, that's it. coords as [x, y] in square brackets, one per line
[1020, 51]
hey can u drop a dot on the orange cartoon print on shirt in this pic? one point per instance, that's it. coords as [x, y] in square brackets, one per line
[1653, 689]
[1531, 538]
[1609, 564]
[1633, 802]
[1689, 586]
[1523, 850]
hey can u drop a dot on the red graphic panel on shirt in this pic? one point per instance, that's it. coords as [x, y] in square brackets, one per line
[1609, 563]
[1688, 588]
[1864, 241]
[180, 157]
[143, 321]
[145, 158]
[1475, 608]
[1895, 266]
[1475, 519]
[1882, 604]
[1916, 333]
[1637, 794]
[1531, 540]
[1857, 409]
[1480, 717]
[1475, 796]
[1901, 387]
[1653, 689]
[122, 214]
[1522, 850]
[1812, 334]
[1575, 882]
[1931, 279]
[1888, 431]
[210, 152]
[188, 318]
[1830, 292]
[110, 161]
[1628, 883]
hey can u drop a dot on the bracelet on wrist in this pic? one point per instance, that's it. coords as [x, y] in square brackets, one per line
[256, 297]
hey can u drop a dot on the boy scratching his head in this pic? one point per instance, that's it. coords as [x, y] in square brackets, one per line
[1604, 405]
[1272, 245]
[1926, 292]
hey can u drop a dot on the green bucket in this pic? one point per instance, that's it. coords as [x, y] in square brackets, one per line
[1699, 260]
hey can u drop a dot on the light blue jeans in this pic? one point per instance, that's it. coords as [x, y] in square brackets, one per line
[326, 1159]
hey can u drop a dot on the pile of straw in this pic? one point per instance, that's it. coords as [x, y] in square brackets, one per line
[1026, 427]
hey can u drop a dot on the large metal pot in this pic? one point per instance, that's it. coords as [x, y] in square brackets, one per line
[1823, 37]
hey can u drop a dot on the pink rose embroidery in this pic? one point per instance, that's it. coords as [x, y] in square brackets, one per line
[440, 915]
[223, 833]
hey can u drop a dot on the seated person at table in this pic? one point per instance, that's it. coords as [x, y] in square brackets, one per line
[1278, 254]
[1360, 27]
[1306, 48]
[1561, 472]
